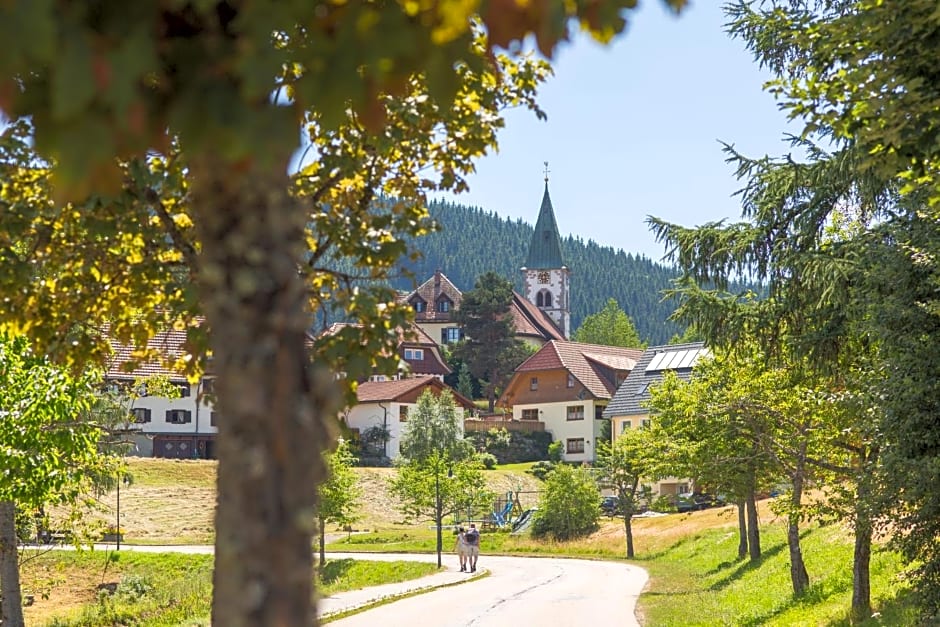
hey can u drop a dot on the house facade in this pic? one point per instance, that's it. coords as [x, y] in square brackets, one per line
[384, 405]
[567, 386]
[184, 427]
[628, 408]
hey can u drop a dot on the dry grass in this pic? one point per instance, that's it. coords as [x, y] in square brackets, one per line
[173, 501]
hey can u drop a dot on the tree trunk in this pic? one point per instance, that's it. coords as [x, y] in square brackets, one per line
[753, 532]
[11, 602]
[628, 530]
[799, 578]
[742, 531]
[275, 412]
[861, 560]
[321, 532]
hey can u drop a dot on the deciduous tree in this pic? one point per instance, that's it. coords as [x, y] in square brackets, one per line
[109, 84]
[338, 496]
[611, 326]
[568, 504]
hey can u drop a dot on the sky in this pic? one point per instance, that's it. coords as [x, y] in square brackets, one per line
[634, 129]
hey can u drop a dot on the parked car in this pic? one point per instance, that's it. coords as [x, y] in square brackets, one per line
[690, 502]
[610, 505]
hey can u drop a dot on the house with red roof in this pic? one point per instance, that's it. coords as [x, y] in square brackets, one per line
[567, 386]
[183, 427]
[383, 406]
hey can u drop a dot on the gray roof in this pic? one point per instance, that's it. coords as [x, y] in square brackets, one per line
[545, 248]
[631, 397]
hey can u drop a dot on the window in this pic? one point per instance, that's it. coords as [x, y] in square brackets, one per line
[450, 335]
[443, 305]
[570, 380]
[530, 414]
[543, 299]
[416, 354]
[178, 416]
[645, 423]
[534, 383]
[576, 412]
[378, 377]
[543, 277]
[402, 413]
[599, 412]
[625, 426]
[418, 305]
[208, 386]
[575, 445]
[212, 418]
[183, 388]
[141, 415]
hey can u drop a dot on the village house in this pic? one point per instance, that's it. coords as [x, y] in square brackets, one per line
[182, 427]
[383, 407]
[567, 386]
[628, 408]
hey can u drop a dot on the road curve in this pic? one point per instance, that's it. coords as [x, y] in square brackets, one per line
[519, 591]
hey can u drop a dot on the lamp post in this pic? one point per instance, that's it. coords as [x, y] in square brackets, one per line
[117, 532]
[438, 508]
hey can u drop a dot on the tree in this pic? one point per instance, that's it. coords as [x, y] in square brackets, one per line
[568, 505]
[228, 82]
[439, 476]
[338, 496]
[49, 453]
[611, 326]
[491, 351]
[624, 464]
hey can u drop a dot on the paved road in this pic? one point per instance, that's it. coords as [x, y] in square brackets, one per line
[519, 591]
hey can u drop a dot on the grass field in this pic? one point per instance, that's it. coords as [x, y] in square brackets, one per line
[695, 576]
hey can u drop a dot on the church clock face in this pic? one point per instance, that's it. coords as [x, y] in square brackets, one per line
[543, 277]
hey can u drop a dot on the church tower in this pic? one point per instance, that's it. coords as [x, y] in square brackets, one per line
[546, 279]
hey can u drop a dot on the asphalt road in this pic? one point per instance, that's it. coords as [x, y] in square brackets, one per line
[519, 591]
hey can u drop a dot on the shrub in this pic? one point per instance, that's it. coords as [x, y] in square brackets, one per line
[554, 451]
[541, 470]
[568, 505]
[488, 460]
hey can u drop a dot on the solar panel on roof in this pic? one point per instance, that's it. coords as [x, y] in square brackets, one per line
[657, 360]
[674, 358]
[689, 359]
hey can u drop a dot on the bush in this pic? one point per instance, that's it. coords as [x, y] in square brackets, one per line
[554, 451]
[488, 460]
[541, 470]
[568, 505]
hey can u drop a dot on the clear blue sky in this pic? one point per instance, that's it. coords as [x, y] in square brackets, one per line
[633, 130]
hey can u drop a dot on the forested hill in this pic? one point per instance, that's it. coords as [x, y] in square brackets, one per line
[472, 241]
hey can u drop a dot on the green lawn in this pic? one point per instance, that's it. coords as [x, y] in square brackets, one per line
[161, 589]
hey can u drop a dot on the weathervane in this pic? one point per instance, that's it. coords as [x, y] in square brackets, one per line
[546, 171]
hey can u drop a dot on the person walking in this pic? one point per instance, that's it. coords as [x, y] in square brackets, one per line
[462, 549]
[472, 538]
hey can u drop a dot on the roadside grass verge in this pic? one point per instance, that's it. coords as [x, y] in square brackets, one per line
[95, 588]
[698, 580]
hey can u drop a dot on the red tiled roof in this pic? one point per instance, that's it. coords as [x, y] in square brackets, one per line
[381, 391]
[532, 321]
[430, 292]
[170, 344]
[582, 360]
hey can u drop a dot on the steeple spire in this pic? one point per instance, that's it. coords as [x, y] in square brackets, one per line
[545, 248]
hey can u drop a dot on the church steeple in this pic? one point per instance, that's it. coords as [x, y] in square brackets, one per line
[545, 276]
[545, 247]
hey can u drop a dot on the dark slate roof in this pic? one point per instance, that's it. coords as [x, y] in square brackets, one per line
[585, 362]
[630, 399]
[545, 248]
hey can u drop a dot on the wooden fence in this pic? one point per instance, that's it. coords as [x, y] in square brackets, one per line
[499, 422]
